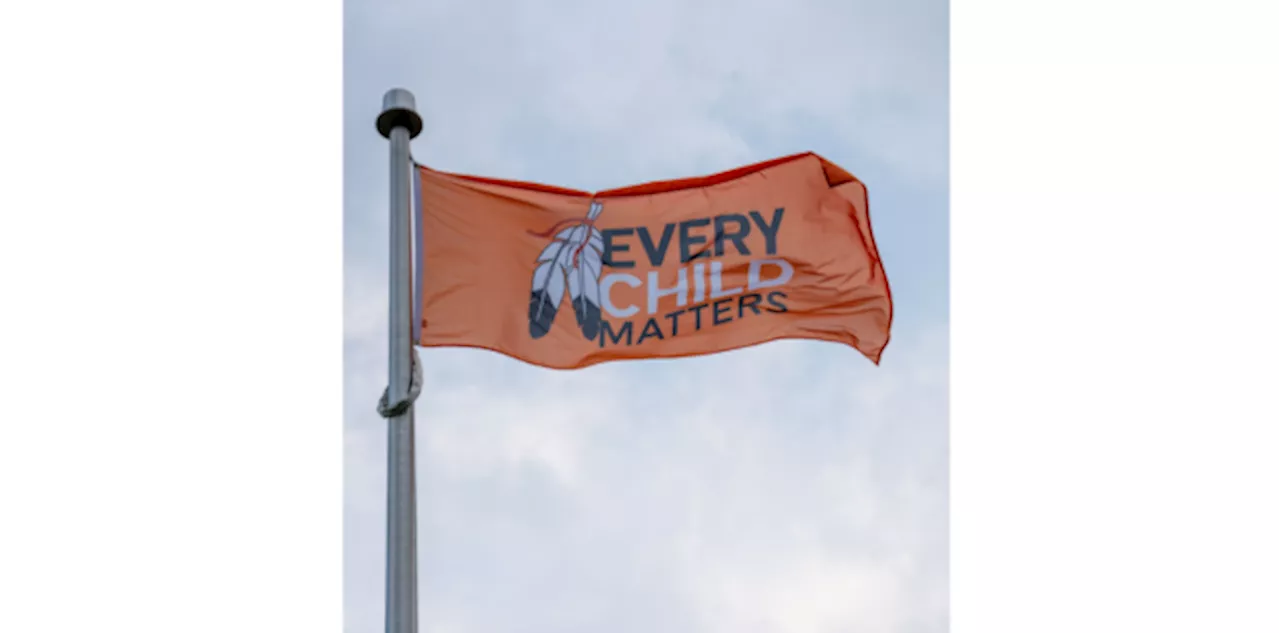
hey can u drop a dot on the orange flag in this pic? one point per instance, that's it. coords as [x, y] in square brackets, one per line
[567, 279]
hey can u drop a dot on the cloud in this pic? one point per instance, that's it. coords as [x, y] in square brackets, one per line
[749, 495]
[788, 487]
[622, 92]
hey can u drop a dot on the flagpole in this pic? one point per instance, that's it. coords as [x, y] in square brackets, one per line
[399, 122]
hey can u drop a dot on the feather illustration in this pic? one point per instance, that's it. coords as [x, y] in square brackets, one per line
[572, 261]
[584, 274]
[548, 285]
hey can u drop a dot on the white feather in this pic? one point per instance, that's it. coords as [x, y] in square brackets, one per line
[549, 276]
[553, 267]
[584, 279]
[587, 273]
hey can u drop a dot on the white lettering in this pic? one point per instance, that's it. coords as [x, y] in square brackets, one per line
[753, 274]
[681, 290]
[699, 283]
[716, 292]
[606, 285]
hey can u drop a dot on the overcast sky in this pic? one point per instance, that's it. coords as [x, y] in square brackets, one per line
[790, 487]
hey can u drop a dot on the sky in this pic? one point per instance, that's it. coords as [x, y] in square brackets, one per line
[793, 486]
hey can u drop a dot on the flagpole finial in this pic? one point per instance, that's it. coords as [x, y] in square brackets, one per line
[399, 110]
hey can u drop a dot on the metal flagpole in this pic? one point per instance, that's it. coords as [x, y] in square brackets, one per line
[399, 122]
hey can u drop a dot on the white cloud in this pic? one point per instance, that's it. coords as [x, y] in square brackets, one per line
[754, 492]
[657, 89]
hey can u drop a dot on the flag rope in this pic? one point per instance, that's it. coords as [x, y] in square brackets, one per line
[387, 410]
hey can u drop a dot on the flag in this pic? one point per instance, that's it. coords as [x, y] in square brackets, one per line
[567, 279]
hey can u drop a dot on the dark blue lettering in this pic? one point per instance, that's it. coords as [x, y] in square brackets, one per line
[770, 230]
[697, 316]
[610, 248]
[687, 241]
[722, 303]
[738, 236]
[607, 331]
[651, 329]
[774, 301]
[675, 321]
[659, 252]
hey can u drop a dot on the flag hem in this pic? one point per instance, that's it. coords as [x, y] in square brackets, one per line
[418, 256]
[834, 174]
[874, 358]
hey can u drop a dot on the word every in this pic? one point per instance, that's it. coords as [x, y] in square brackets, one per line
[729, 228]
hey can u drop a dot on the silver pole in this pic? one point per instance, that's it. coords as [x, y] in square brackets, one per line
[399, 122]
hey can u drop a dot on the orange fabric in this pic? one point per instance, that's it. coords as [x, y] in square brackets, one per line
[567, 279]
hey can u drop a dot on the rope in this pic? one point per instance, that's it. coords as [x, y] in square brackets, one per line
[415, 388]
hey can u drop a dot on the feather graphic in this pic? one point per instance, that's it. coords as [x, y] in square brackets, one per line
[572, 261]
[584, 274]
[548, 286]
